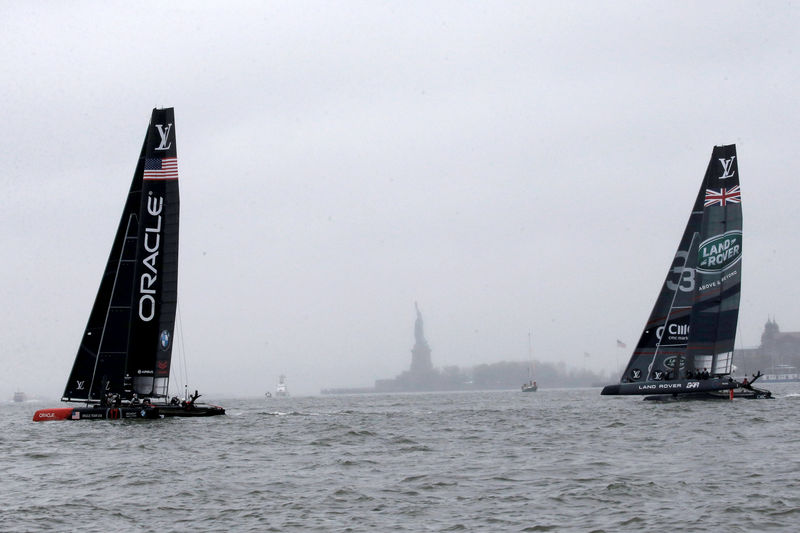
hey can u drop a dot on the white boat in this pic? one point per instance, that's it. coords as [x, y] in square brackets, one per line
[281, 390]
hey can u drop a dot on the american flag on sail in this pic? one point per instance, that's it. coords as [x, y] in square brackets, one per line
[161, 169]
[723, 196]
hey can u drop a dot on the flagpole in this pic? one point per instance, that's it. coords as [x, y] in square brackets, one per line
[620, 346]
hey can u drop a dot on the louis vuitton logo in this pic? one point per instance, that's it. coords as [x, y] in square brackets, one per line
[164, 133]
[727, 167]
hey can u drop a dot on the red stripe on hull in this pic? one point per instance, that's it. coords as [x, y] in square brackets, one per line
[58, 413]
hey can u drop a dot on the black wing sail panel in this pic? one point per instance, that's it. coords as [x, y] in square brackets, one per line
[109, 368]
[156, 267]
[719, 268]
[129, 332]
[665, 335]
[89, 361]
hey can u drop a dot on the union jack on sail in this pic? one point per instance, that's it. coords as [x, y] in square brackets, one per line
[723, 197]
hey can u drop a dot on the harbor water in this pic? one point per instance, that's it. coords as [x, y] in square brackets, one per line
[555, 460]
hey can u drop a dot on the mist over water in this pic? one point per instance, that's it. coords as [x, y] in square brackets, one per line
[556, 460]
[520, 168]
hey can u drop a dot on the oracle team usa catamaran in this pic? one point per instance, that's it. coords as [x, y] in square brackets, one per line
[122, 367]
[686, 348]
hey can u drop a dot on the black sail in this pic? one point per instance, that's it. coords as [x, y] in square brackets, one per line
[715, 311]
[665, 335]
[127, 344]
[692, 327]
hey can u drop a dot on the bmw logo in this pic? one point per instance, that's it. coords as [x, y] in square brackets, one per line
[164, 340]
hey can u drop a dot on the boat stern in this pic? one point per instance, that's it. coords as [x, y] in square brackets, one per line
[57, 413]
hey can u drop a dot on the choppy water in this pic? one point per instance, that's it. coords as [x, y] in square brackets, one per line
[556, 460]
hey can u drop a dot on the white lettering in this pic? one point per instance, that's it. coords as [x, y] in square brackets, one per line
[151, 305]
[148, 279]
[727, 167]
[164, 133]
[660, 386]
[673, 329]
[155, 209]
[150, 262]
[147, 246]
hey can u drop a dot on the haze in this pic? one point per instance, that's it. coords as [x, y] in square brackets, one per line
[511, 166]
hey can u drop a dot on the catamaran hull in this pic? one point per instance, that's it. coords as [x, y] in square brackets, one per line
[713, 389]
[668, 387]
[116, 413]
[740, 393]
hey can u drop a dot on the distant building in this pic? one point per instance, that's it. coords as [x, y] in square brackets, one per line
[783, 348]
[778, 350]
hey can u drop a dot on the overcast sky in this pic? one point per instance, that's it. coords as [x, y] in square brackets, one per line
[511, 166]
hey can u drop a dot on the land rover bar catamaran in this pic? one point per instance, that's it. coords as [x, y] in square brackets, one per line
[686, 348]
[122, 368]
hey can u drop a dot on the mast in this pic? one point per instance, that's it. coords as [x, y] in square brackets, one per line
[530, 358]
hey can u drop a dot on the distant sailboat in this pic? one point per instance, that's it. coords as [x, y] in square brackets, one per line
[530, 386]
[686, 347]
[122, 367]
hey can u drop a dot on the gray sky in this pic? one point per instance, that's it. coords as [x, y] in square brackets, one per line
[511, 166]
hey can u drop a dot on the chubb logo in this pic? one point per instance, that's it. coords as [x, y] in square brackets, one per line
[719, 253]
